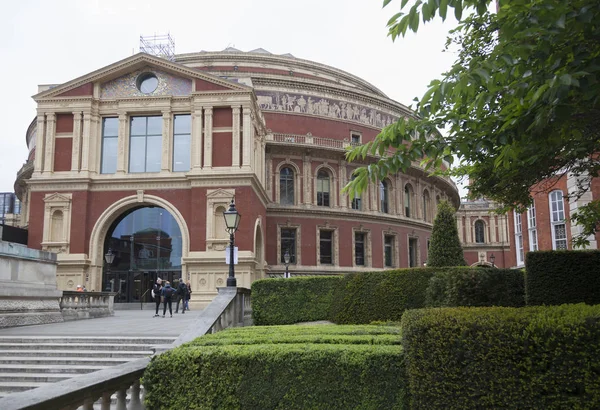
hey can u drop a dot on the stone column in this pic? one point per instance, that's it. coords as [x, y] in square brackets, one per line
[263, 162]
[121, 144]
[469, 226]
[208, 126]
[247, 135]
[307, 183]
[235, 145]
[85, 141]
[49, 151]
[76, 151]
[493, 229]
[573, 182]
[197, 139]
[459, 226]
[167, 143]
[343, 181]
[38, 163]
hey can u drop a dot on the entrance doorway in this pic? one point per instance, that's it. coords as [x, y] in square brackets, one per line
[146, 242]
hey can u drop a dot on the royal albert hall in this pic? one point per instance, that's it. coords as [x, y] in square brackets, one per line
[143, 156]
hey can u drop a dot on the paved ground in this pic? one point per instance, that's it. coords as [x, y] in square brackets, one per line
[123, 323]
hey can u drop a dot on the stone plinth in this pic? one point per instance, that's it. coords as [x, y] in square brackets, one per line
[28, 293]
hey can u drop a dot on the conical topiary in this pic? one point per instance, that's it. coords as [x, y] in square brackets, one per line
[445, 248]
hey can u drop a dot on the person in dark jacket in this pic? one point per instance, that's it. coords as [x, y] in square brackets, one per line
[167, 293]
[181, 295]
[188, 296]
[156, 292]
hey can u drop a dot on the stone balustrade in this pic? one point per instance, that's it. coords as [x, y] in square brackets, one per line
[86, 305]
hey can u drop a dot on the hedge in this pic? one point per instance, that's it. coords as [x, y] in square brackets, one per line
[476, 287]
[557, 277]
[278, 376]
[379, 296]
[292, 300]
[533, 357]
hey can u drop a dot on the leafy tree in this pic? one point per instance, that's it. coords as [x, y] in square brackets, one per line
[519, 108]
[445, 248]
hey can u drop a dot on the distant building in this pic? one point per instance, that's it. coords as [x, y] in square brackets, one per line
[10, 209]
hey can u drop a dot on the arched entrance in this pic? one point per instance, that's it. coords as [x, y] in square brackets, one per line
[146, 242]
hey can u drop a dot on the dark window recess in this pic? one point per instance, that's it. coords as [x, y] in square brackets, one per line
[325, 247]
[359, 249]
[286, 186]
[288, 243]
[355, 138]
[389, 251]
[323, 188]
[412, 252]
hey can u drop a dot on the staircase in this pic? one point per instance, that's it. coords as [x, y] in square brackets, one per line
[27, 362]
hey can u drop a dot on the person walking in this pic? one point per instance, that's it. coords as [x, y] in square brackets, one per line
[181, 295]
[167, 294]
[156, 294]
[188, 296]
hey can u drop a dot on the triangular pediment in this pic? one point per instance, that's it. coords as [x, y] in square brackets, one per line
[56, 197]
[174, 76]
[220, 194]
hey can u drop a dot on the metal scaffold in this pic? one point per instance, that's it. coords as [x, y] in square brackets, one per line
[158, 45]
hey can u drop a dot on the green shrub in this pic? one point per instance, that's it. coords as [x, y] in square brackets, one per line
[277, 376]
[476, 287]
[293, 300]
[556, 277]
[379, 296]
[475, 358]
[445, 248]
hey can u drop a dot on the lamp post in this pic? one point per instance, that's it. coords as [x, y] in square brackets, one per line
[232, 221]
[109, 258]
[286, 260]
[493, 259]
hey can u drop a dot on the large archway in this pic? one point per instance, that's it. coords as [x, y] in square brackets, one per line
[146, 243]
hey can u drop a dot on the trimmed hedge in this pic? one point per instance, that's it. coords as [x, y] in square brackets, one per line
[534, 357]
[379, 296]
[278, 376]
[557, 277]
[476, 287]
[292, 300]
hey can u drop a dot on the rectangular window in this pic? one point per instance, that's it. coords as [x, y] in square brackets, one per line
[519, 240]
[388, 251]
[359, 249]
[288, 243]
[533, 243]
[355, 138]
[412, 252]
[110, 137]
[356, 203]
[326, 247]
[145, 148]
[560, 236]
[182, 136]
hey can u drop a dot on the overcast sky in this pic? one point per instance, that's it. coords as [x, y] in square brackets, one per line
[55, 41]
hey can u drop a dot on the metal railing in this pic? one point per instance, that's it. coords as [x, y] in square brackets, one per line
[231, 307]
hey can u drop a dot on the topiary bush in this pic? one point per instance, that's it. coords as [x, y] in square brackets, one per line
[445, 248]
[476, 287]
[556, 277]
[379, 296]
[292, 300]
[278, 376]
[533, 357]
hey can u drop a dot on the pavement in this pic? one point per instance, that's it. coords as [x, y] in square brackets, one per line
[123, 323]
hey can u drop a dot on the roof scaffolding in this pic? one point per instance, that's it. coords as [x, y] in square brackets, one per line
[158, 45]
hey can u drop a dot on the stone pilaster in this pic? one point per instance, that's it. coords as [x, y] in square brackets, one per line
[167, 142]
[235, 146]
[38, 164]
[208, 133]
[247, 136]
[197, 139]
[122, 144]
[307, 183]
[573, 181]
[85, 141]
[49, 151]
[459, 226]
[469, 226]
[343, 181]
[493, 220]
[76, 147]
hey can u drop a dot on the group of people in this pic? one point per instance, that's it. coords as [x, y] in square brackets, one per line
[163, 292]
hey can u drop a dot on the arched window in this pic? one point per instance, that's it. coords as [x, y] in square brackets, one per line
[479, 232]
[384, 197]
[286, 186]
[407, 204]
[426, 206]
[323, 188]
[557, 220]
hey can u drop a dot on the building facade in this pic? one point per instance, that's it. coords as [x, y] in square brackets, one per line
[10, 209]
[143, 156]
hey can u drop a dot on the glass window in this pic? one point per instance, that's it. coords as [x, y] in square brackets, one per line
[426, 206]
[359, 249]
[519, 239]
[479, 232]
[323, 187]
[412, 252]
[145, 147]
[384, 196]
[533, 242]
[110, 137]
[288, 243]
[388, 251]
[559, 228]
[557, 207]
[286, 186]
[325, 247]
[407, 195]
[355, 138]
[356, 201]
[182, 135]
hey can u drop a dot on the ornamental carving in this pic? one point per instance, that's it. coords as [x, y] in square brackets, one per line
[126, 86]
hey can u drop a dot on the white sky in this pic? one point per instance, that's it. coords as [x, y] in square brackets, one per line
[50, 42]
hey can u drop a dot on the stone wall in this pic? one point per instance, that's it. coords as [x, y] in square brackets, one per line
[28, 293]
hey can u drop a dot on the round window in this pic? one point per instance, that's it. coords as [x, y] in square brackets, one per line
[147, 83]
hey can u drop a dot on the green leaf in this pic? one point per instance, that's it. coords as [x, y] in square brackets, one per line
[386, 2]
[443, 9]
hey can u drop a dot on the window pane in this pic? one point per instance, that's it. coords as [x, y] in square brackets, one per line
[138, 126]
[154, 125]
[110, 127]
[325, 247]
[153, 153]
[181, 153]
[359, 249]
[137, 154]
[109, 156]
[288, 243]
[388, 249]
[182, 124]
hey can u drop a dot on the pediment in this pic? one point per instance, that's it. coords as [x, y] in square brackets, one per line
[56, 197]
[220, 194]
[116, 80]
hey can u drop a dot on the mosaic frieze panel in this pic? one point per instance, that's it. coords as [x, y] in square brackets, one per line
[126, 86]
[325, 107]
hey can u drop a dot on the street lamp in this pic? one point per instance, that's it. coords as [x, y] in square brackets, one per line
[109, 258]
[493, 259]
[232, 221]
[286, 260]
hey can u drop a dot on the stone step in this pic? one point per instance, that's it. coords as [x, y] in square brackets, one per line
[13, 387]
[35, 377]
[75, 346]
[50, 368]
[92, 361]
[76, 353]
[159, 340]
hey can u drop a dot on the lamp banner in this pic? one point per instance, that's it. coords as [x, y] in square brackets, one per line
[235, 255]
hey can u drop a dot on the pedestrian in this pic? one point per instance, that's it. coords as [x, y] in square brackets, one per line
[79, 288]
[167, 293]
[156, 294]
[181, 295]
[188, 296]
